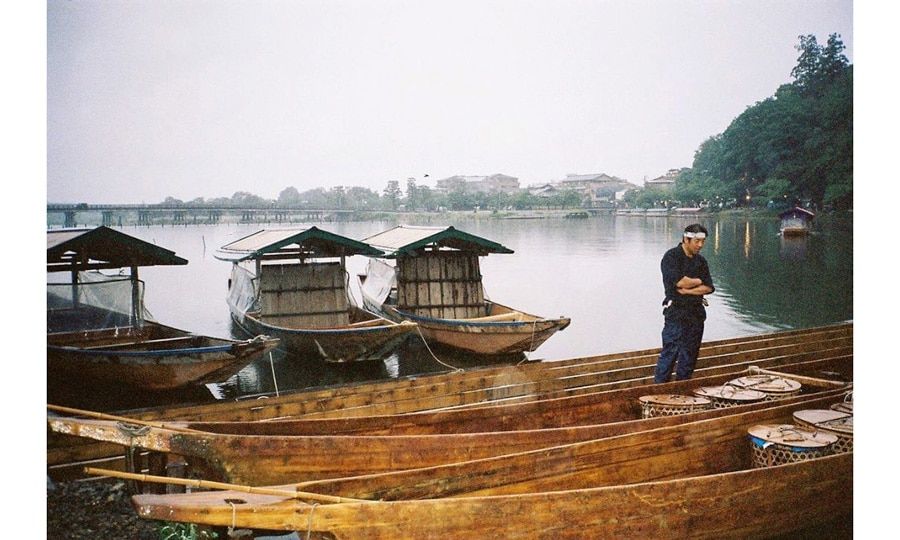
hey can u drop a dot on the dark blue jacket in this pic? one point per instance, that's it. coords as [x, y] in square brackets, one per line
[675, 265]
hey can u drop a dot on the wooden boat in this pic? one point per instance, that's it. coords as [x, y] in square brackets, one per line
[693, 479]
[275, 452]
[437, 284]
[796, 221]
[99, 330]
[527, 382]
[151, 356]
[305, 302]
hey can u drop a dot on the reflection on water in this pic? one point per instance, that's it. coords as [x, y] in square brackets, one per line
[603, 272]
[793, 248]
[747, 240]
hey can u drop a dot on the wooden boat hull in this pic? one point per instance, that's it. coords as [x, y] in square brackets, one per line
[483, 336]
[276, 452]
[154, 357]
[526, 382]
[794, 231]
[368, 338]
[756, 503]
[688, 480]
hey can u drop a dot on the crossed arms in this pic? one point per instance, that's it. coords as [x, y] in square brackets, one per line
[692, 286]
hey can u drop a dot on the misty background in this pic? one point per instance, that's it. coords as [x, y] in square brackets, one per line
[149, 99]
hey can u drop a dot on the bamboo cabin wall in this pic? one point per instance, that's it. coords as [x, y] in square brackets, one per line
[443, 285]
[307, 295]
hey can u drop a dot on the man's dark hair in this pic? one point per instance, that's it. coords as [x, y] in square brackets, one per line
[695, 228]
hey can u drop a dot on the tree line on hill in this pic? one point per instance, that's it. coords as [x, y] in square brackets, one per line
[795, 146]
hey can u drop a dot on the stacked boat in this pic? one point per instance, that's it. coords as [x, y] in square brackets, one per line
[545, 449]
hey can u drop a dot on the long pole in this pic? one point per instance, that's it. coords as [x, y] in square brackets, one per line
[112, 417]
[208, 484]
[135, 298]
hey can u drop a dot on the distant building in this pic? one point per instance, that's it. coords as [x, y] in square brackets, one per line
[664, 183]
[597, 189]
[543, 191]
[486, 184]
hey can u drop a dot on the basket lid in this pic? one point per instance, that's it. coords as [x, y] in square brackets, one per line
[766, 383]
[730, 393]
[827, 419]
[674, 400]
[791, 435]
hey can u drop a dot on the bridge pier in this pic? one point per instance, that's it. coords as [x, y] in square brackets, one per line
[144, 218]
[70, 218]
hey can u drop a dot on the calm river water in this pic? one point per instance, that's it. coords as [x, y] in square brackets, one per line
[602, 271]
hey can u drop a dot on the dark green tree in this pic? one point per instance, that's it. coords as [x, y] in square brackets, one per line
[412, 194]
[288, 197]
[392, 195]
[802, 134]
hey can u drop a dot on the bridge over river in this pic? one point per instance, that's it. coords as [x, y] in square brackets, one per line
[154, 214]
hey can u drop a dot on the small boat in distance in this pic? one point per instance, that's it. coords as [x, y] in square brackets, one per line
[796, 221]
[437, 284]
[99, 329]
[287, 283]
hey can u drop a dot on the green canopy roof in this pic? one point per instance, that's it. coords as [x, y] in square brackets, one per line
[293, 243]
[103, 248]
[406, 240]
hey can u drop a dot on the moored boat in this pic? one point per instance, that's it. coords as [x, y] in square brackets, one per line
[796, 221]
[99, 330]
[508, 384]
[284, 451]
[694, 479]
[292, 283]
[437, 284]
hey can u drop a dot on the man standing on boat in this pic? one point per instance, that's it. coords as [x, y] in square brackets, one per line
[686, 280]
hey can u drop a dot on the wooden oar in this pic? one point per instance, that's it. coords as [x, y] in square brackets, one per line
[800, 378]
[208, 484]
[104, 416]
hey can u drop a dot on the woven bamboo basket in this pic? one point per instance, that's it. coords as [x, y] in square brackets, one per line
[837, 423]
[671, 405]
[773, 445]
[773, 386]
[729, 396]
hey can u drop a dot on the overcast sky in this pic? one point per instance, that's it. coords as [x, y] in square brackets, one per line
[149, 99]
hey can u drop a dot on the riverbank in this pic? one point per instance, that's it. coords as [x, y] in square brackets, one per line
[286, 217]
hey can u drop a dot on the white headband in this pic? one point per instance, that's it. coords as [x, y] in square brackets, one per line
[700, 235]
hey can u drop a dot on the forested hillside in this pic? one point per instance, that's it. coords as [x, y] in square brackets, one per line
[795, 145]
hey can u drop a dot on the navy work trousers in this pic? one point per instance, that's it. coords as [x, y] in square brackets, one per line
[681, 337]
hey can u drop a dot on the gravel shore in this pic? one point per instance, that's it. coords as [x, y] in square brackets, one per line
[94, 509]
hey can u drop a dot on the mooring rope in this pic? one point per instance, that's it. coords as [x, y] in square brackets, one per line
[274, 379]
[438, 360]
[309, 520]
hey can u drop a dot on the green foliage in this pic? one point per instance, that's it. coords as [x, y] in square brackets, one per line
[796, 144]
[184, 531]
[776, 189]
[392, 195]
[289, 196]
[646, 198]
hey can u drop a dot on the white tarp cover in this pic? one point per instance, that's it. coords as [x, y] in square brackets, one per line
[242, 294]
[380, 279]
